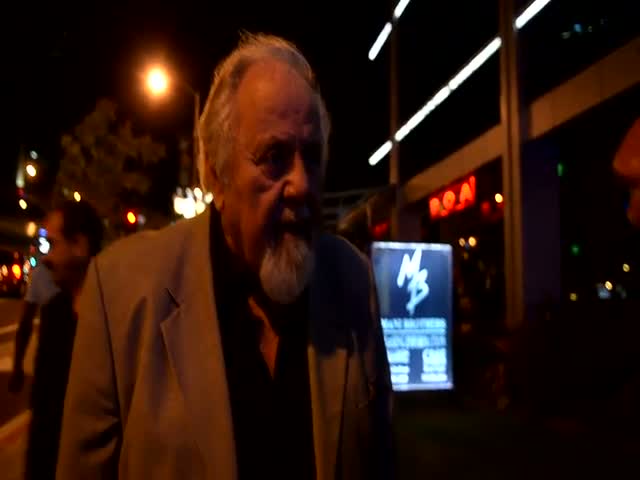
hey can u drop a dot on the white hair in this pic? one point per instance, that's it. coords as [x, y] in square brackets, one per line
[215, 126]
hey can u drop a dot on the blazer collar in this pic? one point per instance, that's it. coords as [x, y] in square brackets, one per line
[192, 339]
[328, 355]
[193, 343]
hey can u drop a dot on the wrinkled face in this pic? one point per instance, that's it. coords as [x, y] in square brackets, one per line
[67, 258]
[627, 167]
[269, 198]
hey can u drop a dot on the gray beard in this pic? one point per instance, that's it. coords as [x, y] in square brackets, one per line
[286, 270]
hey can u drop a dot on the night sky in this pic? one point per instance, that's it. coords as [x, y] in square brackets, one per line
[65, 56]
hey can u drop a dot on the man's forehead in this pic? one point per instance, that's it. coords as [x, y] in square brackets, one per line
[270, 91]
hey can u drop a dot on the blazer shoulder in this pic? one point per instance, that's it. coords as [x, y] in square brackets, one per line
[347, 266]
[345, 258]
[146, 253]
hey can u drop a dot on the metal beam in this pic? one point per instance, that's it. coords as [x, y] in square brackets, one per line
[512, 140]
[603, 80]
[482, 150]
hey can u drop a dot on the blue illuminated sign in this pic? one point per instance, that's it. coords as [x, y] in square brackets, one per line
[414, 282]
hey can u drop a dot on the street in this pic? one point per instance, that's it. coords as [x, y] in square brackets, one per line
[13, 407]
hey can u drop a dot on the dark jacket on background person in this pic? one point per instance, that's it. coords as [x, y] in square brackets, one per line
[51, 372]
[148, 393]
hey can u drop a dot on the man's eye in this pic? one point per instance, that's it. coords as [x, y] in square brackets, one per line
[275, 156]
[274, 161]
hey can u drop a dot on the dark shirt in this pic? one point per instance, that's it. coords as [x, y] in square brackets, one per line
[51, 373]
[271, 415]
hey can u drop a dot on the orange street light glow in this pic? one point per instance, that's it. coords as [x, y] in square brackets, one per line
[131, 218]
[157, 81]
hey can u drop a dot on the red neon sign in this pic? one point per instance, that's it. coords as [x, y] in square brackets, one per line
[455, 198]
[380, 230]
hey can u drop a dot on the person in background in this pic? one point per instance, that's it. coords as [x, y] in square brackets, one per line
[41, 289]
[75, 234]
[626, 164]
[243, 343]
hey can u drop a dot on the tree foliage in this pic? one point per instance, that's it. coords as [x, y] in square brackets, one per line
[103, 159]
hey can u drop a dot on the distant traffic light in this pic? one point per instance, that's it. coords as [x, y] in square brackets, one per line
[131, 217]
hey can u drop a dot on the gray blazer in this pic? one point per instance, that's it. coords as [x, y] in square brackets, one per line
[147, 394]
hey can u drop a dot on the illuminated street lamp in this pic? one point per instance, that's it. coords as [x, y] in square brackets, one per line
[191, 202]
[157, 81]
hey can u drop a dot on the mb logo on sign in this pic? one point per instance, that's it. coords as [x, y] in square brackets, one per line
[416, 279]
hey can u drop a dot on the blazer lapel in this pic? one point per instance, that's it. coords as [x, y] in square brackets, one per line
[327, 355]
[193, 343]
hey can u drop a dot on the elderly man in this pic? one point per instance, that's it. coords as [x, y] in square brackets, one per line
[244, 343]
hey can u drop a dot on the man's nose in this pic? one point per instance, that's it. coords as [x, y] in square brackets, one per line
[298, 181]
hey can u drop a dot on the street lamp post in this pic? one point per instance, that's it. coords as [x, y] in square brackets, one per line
[186, 202]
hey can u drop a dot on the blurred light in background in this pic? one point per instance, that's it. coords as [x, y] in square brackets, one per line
[386, 30]
[23, 204]
[573, 297]
[380, 153]
[465, 72]
[473, 242]
[190, 203]
[44, 245]
[380, 41]
[608, 285]
[402, 4]
[31, 170]
[76, 196]
[33, 154]
[626, 268]
[31, 229]
[575, 249]
[131, 217]
[531, 11]
[17, 271]
[499, 198]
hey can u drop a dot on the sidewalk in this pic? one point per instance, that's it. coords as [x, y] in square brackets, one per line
[13, 442]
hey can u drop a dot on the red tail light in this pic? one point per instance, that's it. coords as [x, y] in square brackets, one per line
[17, 271]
